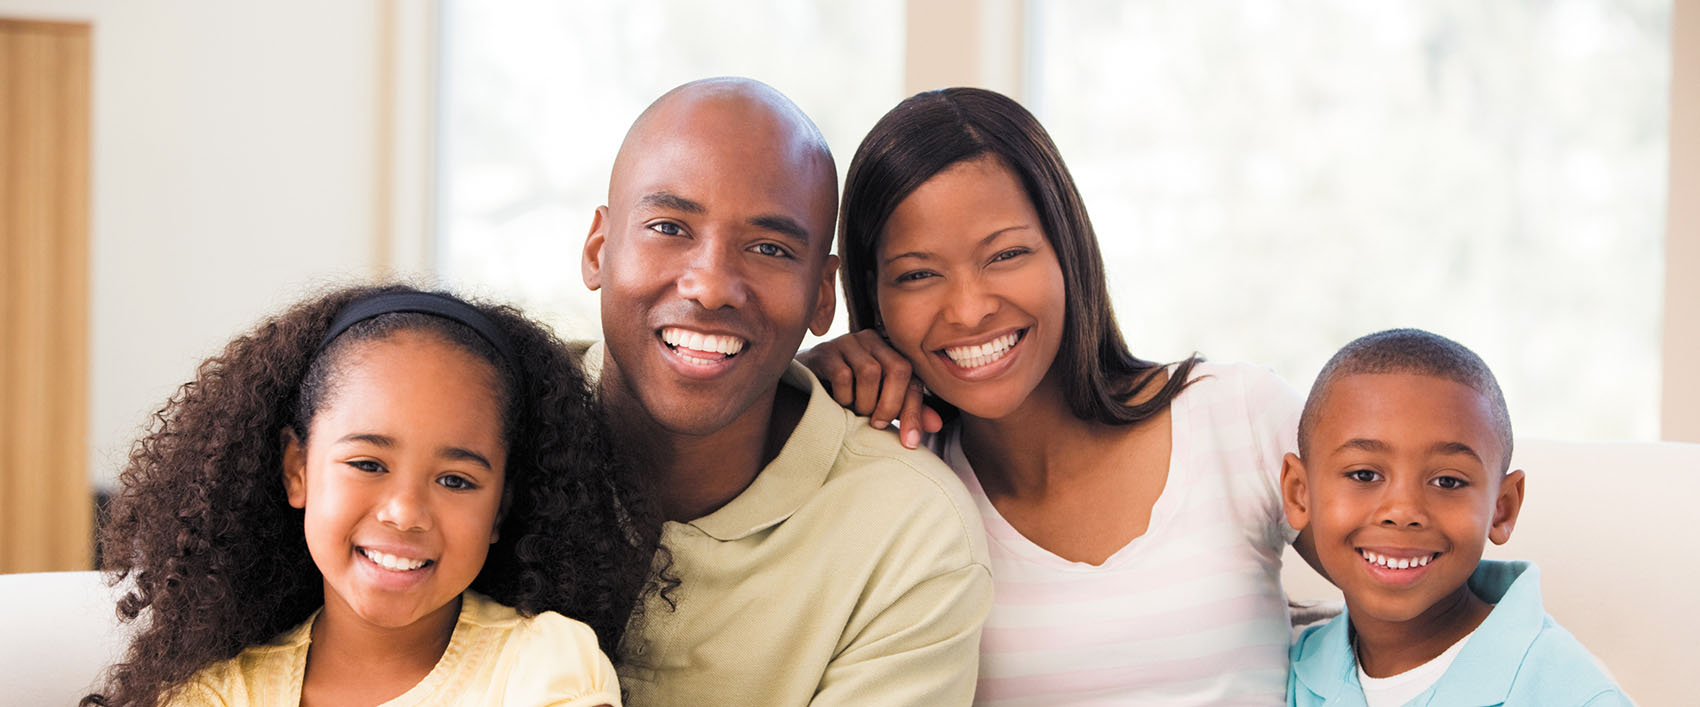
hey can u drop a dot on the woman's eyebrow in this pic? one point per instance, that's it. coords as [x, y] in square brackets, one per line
[983, 241]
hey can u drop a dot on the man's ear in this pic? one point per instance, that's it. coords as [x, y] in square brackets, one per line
[591, 261]
[1295, 491]
[294, 468]
[1506, 507]
[826, 301]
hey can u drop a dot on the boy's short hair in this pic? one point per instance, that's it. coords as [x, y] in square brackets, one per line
[1409, 351]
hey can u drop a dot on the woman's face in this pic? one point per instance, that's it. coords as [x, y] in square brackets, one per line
[401, 479]
[969, 288]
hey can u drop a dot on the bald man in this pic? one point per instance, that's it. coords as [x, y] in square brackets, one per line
[821, 562]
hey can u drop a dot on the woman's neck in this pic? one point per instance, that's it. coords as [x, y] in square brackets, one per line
[1043, 442]
[351, 661]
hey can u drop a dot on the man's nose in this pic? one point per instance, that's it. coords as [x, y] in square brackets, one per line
[713, 277]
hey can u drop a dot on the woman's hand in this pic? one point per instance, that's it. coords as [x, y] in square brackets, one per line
[868, 376]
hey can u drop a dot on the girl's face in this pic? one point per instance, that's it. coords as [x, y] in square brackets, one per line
[969, 288]
[401, 479]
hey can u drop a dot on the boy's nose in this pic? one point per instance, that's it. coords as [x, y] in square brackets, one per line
[1402, 507]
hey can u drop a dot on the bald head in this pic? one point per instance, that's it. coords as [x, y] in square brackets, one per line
[736, 110]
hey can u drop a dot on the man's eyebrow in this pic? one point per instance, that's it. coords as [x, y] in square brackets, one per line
[1455, 448]
[464, 454]
[783, 225]
[1367, 445]
[670, 201]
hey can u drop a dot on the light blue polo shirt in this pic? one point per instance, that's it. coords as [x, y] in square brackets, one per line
[1518, 656]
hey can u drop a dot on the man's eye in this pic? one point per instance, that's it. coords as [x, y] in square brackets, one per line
[666, 228]
[1363, 475]
[772, 250]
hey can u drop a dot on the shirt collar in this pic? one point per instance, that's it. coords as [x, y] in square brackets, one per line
[1480, 674]
[787, 482]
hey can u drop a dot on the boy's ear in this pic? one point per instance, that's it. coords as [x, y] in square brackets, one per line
[294, 468]
[1295, 491]
[826, 301]
[591, 261]
[1506, 507]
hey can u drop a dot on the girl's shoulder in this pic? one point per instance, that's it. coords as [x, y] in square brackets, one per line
[269, 673]
[543, 659]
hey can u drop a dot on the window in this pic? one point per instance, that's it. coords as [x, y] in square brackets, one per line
[1272, 180]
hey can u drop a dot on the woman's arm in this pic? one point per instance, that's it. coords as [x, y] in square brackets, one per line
[869, 377]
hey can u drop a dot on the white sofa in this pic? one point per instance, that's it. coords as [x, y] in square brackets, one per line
[1609, 524]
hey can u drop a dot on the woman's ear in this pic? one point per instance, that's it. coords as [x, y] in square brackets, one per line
[294, 468]
[1295, 491]
[1506, 507]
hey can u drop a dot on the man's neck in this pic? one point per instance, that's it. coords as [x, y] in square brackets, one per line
[695, 474]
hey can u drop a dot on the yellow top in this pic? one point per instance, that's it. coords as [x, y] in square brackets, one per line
[495, 657]
[851, 572]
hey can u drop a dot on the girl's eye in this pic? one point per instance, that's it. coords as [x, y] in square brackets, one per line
[1009, 254]
[456, 482]
[1451, 482]
[666, 228]
[367, 465]
[1363, 475]
[772, 250]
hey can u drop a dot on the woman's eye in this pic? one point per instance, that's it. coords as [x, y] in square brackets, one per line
[1451, 482]
[913, 276]
[367, 465]
[1363, 475]
[666, 228]
[772, 250]
[1008, 254]
[457, 483]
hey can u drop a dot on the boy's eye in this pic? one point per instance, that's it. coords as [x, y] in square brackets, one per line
[1363, 475]
[456, 482]
[1450, 482]
[367, 465]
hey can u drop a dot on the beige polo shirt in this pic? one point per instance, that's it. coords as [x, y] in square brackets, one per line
[852, 571]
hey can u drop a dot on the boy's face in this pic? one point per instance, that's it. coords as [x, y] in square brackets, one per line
[1401, 489]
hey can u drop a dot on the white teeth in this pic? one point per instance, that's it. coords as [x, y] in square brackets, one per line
[981, 354]
[698, 341]
[391, 562]
[1395, 563]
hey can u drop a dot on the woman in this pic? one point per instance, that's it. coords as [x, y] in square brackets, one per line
[1133, 508]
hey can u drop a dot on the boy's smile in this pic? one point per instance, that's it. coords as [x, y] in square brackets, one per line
[1401, 489]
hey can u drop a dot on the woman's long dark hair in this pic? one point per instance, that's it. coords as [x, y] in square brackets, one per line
[216, 559]
[933, 130]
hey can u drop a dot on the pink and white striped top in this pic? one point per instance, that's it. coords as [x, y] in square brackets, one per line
[1192, 611]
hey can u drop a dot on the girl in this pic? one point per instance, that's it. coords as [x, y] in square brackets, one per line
[1133, 508]
[381, 496]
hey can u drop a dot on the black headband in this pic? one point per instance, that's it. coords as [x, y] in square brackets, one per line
[431, 303]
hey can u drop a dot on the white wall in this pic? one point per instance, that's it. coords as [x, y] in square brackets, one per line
[234, 154]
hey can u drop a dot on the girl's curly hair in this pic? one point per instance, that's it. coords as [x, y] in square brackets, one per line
[216, 558]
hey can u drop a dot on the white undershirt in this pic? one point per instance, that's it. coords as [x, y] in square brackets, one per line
[1396, 690]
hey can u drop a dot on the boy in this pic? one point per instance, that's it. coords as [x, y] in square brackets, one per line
[1402, 475]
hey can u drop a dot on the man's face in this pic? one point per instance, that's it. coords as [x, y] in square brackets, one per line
[1401, 489]
[711, 256]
